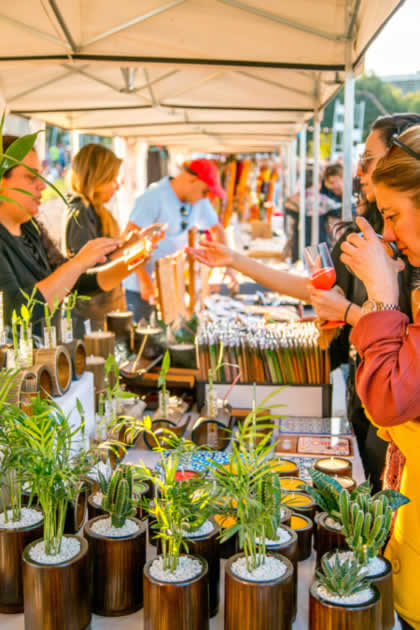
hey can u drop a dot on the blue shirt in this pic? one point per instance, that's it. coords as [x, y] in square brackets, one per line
[160, 204]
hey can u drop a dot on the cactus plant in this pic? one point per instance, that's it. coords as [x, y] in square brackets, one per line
[118, 500]
[366, 522]
[341, 578]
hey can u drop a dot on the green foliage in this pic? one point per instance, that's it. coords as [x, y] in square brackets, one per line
[326, 492]
[11, 462]
[185, 331]
[50, 312]
[118, 500]
[341, 578]
[366, 522]
[70, 302]
[166, 364]
[248, 489]
[50, 468]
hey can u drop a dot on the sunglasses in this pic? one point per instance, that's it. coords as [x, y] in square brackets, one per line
[364, 159]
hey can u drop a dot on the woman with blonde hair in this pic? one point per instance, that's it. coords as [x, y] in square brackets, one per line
[95, 171]
[389, 374]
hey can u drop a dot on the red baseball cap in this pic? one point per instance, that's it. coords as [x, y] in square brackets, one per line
[207, 171]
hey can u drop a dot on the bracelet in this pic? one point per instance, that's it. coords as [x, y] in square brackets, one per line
[346, 312]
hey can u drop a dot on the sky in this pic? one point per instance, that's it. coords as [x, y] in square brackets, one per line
[397, 48]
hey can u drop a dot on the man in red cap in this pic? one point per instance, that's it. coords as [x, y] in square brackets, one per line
[182, 203]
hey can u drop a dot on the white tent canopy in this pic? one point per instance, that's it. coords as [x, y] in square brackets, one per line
[199, 74]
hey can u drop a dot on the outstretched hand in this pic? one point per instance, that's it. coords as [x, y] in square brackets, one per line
[367, 258]
[212, 253]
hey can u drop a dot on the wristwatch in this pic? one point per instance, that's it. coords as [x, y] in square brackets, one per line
[371, 306]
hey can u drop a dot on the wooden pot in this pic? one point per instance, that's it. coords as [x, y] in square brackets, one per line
[100, 343]
[258, 605]
[12, 544]
[120, 323]
[93, 509]
[77, 510]
[57, 596]
[327, 538]
[183, 355]
[211, 433]
[383, 582]
[230, 546]
[164, 424]
[289, 550]
[326, 616]
[155, 343]
[59, 363]
[117, 567]
[96, 365]
[176, 605]
[77, 353]
[301, 503]
[208, 548]
[303, 527]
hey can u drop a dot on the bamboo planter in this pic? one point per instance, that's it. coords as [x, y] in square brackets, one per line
[326, 616]
[289, 550]
[258, 605]
[77, 353]
[327, 538]
[57, 596]
[176, 605]
[58, 361]
[117, 567]
[12, 544]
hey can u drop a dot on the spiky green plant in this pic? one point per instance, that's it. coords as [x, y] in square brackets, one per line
[341, 578]
[367, 520]
[118, 500]
[166, 364]
[326, 492]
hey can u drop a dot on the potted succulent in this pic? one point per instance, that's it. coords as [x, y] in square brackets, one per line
[329, 528]
[56, 566]
[259, 584]
[366, 523]
[117, 549]
[176, 584]
[19, 525]
[342, 597]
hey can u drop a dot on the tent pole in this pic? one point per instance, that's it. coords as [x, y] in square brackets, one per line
[316, 173]
[348, 134]
[302, 181]
[74, 142]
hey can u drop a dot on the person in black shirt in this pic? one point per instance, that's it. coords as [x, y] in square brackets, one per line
[28, 258]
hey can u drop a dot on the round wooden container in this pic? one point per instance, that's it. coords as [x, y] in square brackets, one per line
[36, 380]
[230, 546]
[334, 466]
[301, 503]
[117, 567]
[57, 595]
[154, 343]
[77, 510]
[208, 548]
[383, 582]
[176, 605]
[183, 355]
[100, 343]
[211, 433]
[285, 468]
[12, 544]
[59, 363]
[120, 323]
[327, 538]
[303, 526]
[289, 549]
[96, 365]
[93, 509]
[165, 425]
[258, 605]
[324, 615]
[77, 352]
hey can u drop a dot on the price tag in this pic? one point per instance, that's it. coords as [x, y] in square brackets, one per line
[88, 327]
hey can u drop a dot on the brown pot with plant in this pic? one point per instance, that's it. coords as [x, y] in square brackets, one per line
[117, 549]
[259, 584]
[55, 568]
[342, 597]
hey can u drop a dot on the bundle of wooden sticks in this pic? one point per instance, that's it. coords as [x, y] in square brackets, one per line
[273, 353]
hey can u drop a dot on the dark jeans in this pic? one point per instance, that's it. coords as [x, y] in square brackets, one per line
[139, 307]
[404, 624]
